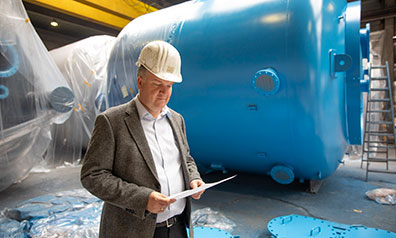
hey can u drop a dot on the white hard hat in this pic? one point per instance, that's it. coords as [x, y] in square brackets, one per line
[161, 59]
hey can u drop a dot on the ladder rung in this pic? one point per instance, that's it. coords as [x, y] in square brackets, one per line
[381, 171]
[378, 66]
[378, 160]
[380, 122]
[378, 152]
[379, 134]
[382, 146]
[379, 142]
[379, 89]
[379, 78]
[381, 159]
[370, 132]
[379, 100]
[378, 111]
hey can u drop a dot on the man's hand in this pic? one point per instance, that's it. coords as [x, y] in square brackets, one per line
[195, 184]
[158, 202]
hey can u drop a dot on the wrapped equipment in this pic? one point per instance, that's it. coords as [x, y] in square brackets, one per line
[83, 65]
[33, 94]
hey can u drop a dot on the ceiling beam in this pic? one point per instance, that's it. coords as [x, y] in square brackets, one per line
[115, 14]
[389, 3]
[128, 9]
[376, 15]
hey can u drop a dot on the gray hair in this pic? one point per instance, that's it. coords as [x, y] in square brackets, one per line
[142, 72]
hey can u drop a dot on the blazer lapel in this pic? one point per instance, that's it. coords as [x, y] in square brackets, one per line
[136, 130]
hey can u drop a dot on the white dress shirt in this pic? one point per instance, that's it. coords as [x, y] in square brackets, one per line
[166, 155]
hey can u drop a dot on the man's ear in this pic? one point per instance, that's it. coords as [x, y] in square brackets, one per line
[139, 82]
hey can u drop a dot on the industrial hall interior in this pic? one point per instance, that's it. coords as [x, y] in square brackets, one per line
[200, 118]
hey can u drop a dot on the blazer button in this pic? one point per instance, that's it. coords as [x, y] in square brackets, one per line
[130, 210]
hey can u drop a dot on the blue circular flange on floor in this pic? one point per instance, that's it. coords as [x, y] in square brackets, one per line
[366, 232]
[301, 226]
[296, 226]
[209, 232]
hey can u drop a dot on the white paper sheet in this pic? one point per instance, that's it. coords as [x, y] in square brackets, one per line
[199, 189]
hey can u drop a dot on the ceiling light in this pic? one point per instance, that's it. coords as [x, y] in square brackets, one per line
[54, 23]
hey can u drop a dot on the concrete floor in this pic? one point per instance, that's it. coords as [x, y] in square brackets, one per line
[251, 201]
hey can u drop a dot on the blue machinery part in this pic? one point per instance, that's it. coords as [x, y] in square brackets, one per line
[10, 64]
[354, 73]
[282, 174]
[301, 226]
[17, 99]
[61, 99]
[3, 92]
[17, 93]
[209, 232]
[265, 83]
[365, 42]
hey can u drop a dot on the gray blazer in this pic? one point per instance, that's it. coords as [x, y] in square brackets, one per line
[119, 169]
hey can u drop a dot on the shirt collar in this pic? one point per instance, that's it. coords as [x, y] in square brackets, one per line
[144, 114]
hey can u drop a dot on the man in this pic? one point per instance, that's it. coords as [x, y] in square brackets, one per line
[138, 156]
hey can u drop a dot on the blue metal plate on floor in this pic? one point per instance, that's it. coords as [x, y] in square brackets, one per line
[299, 227]
[365, 232]
[296, 226]
[209, 232]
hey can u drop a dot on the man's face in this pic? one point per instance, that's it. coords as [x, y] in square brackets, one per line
[154, 93]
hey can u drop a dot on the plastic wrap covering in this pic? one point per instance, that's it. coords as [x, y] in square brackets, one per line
[33, 94]
[207, 217]
[73, 213]
[83, 65]
[76, 214]
[382, 195]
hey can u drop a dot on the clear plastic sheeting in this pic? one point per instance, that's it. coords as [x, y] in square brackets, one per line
[33, 94]
[206, 217]
[83, 65]
[383, 196]
[73, 213]
[76, 214]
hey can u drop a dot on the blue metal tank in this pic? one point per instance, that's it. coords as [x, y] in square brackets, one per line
[269, 86]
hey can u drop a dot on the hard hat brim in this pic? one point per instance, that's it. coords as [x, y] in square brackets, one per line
[163, 76]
